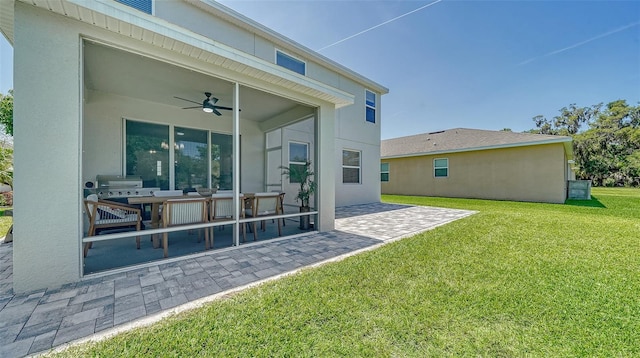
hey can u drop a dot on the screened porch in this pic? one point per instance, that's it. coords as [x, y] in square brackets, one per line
[147, 120]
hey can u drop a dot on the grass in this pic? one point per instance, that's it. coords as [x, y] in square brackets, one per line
[516, 279]
[5, 221]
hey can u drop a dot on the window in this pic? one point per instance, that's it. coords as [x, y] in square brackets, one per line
[148, 148]
[370, 106]
[142, 5]
[350, 167]
[222, 161]
[190, 163]
[384, 172]
[298, 157]
[290, 62]
[441, 167]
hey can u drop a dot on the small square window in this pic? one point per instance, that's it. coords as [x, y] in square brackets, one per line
[290, 62]
[350, 167]
[371, 99]
[142, 5]
[384, 172]
[441, 168]
[298, 157]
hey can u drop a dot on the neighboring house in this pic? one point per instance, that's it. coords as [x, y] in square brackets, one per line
[97, 81]
[471, 163]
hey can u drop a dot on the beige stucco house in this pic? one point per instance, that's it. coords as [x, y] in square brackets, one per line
[106, 87]
[471, 163]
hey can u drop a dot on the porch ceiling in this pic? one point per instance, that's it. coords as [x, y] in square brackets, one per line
[131, 75]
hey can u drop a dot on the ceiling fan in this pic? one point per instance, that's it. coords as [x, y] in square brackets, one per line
[208, 105]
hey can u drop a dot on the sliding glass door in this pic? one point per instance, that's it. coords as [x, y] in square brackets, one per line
[221, 161]
[201, 158]
[147, 153]
[191, 164]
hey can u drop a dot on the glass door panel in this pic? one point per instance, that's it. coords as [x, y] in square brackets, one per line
[222, 161]
[191, 152]
[147, 147]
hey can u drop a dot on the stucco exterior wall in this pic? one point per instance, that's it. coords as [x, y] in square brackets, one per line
[534, 173]
[52, 134]
[195, 19]
[47, 133]
[353, 132]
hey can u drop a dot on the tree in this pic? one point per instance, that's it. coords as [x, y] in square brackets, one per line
[608, 152]
[6, 112]
[6, 165]
[569, 122]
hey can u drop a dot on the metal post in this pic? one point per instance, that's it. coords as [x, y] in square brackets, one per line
[236, 161]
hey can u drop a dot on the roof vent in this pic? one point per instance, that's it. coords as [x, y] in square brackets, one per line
[436, 132]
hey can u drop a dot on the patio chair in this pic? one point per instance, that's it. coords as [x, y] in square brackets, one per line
[281, 203]
[107, 215]
[264, 205]
[222, 210]
[156, 209]
[184, 212]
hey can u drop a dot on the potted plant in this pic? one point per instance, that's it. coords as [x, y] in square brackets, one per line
[302, 174]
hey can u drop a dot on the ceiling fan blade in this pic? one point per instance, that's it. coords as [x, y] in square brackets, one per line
[192, 107]
[225, 108]
[188, 100]
[216, 112]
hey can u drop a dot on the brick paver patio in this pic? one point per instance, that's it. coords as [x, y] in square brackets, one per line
[38, 321]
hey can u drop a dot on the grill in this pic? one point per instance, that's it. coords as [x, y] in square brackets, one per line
[117, 186]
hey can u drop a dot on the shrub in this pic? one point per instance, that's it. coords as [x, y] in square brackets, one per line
[6, 199]
[609, 182]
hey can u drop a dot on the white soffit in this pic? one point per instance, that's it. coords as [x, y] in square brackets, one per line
[119, 18]
[6, 19]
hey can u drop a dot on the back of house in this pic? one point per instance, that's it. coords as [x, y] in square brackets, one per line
[171, 95]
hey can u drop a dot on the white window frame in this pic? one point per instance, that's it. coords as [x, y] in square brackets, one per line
[385, 172]
[436, 168]
[367, 106]
[359, 167]
[289, 155]
[153, 7]
[275, 60]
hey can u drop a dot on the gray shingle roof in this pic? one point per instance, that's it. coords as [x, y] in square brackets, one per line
[462, 139]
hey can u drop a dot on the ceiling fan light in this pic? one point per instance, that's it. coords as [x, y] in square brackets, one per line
[206, 105]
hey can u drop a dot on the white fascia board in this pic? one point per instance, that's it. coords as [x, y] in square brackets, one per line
[136, 18]
[565, 141]
[238, 19]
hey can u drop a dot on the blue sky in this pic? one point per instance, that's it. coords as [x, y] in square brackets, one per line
[474, 64]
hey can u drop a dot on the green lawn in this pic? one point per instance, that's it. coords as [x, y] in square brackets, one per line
[5, 222]
[516, 279]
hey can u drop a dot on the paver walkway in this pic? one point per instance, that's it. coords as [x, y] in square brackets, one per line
[37, 321]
